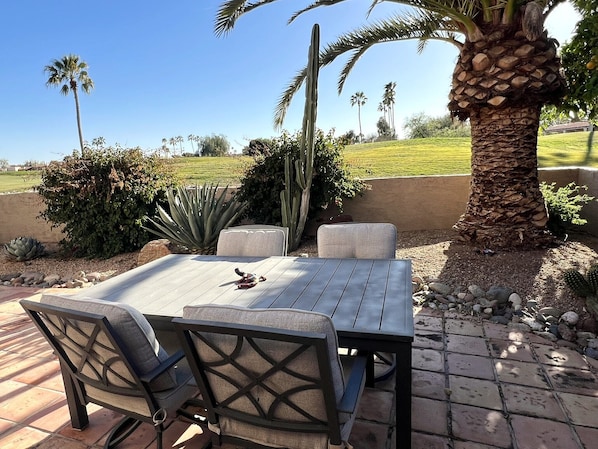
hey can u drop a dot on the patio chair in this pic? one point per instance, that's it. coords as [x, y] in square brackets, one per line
[267, 227]
[110, 357]
[357, 240]
[271, 377]
[361, 241]
[251, 242]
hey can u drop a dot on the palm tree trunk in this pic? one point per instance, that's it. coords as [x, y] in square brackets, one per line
[359, 118]
[75, 94]
[505, 208]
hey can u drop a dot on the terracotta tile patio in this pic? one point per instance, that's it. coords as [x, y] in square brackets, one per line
[476, 385]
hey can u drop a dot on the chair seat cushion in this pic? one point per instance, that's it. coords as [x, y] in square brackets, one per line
[132, 328]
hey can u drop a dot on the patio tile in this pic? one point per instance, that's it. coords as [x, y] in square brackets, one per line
[466, 344]
[43, 370]
[470, 365]
[463, 327]
[512, 350]
[428, 323]
[469, 445]
[428, 384]
[431, 340]
[54, 382]
[521, 373]
[526, 400]
[480, 393]
[427, 359]
[369, 434]
[428, 415]
[51, 419]
[25, 402]
[181, 434]
[57, 442]
[376, 405]
[423, 441]
[26, 342]
[480, 425]
[582, 410]
[144, 436]
[588, 436]
[534, 433]
[572, 380]
[502, 332]
[550, 355]
[22, 437]
[14, 365]
[101, 421]
[5, 425]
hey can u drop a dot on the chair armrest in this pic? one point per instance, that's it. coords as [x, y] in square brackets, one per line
[348, 402]
[162, 367]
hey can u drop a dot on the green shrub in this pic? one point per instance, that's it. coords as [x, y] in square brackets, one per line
[101, 197]
[564, 205]
[262, 183]
[195, 217]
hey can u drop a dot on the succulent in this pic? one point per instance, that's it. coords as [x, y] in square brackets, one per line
[592, 276]
[24, 248]
[578, 283]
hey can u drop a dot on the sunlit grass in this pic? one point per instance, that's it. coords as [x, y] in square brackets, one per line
[434, 156]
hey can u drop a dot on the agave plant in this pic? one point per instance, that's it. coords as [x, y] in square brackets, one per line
[196, 217]
[24, 248]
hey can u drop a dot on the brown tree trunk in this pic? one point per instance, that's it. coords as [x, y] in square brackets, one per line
[505, 207]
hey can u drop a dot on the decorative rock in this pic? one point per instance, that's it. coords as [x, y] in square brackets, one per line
[591, 352]
[154, 250]
[567, 344]
[515, 300]
[486, 303]
[547, 335]
[441, 288]
[547, 311]
[533, 324]
[476, 291]
[519, 327]
[32, 277]
[532, 304]
[593, 343]
[499, 319]
[588, 324]
[477, 308]
[461, 295]
[567, 333]
[488, 310]
[499, 294]
[571, 318]
[9, 277]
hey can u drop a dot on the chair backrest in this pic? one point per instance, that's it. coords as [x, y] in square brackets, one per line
[271, 376]
[357, 240]
[107, 348]
[251, 242]
[267, 227]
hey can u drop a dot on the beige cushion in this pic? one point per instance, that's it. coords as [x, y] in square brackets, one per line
[357, 240]
[288, 319]
[133, 329]
[251, 242]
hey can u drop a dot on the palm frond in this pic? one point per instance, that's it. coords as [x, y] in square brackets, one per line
[314, 5]
[349, 66]
[231, 10]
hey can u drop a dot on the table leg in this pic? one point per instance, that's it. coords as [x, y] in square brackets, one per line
[77, 410]
[403, 395]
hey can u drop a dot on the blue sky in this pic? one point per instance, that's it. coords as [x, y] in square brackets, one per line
[160, 71]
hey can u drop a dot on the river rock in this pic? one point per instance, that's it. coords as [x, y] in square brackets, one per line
[566, 332]
[515, 300]
[441, 288]
[476, 291]
[547, 335]
[499, 294]
[571, 318]
[548, 311]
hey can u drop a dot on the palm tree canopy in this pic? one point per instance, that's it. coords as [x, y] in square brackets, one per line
[453, 21]
[70, 72]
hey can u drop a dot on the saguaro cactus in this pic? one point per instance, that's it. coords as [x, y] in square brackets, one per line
[296, 194]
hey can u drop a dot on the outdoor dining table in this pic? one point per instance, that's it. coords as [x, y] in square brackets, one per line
[369, 301]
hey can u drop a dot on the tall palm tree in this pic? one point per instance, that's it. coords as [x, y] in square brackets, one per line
[388, 99]
[506, 70]
[71, 73]
[359, 99]
[191, 138]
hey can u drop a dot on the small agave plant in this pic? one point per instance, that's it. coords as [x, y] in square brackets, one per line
[196, 217]
[24, 248]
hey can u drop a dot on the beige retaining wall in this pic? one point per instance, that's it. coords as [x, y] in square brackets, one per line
[411, 203]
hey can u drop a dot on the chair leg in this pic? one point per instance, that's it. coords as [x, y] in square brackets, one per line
[122, 430]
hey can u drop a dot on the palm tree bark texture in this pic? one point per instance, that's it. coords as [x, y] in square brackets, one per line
[500, 83]
[506, 70]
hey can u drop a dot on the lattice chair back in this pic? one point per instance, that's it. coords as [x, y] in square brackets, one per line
[110, 353]
[271, 377]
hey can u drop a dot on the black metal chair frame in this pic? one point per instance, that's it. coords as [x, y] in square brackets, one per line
[138, 386]
[188, 330]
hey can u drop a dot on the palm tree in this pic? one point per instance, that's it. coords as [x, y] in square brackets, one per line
[506, 70]
[191, 138]
[180, 140]
[359, 99]
[388, 99]
[71, 73]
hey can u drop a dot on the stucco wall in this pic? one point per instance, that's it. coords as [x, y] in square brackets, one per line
[411, 203]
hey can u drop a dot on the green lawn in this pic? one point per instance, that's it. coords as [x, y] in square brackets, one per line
[434, 156]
